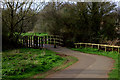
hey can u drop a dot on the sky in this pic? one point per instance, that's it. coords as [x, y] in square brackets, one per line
[116, 1]
[65, 0]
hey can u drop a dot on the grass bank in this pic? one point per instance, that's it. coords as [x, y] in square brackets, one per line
[24, 63]
[33, 63]
[69, 61]
[114, 55]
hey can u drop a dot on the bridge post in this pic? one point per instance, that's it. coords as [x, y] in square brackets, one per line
[118, 49]
[98, 46]
[41, 42]
[45, 39]
[54, 41]
[105, 49]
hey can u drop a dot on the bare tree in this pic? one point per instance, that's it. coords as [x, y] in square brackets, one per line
[17, 14]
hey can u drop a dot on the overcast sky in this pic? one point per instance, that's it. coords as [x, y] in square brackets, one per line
[65, 0]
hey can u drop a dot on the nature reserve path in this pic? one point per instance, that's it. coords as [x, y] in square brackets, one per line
[87, 66]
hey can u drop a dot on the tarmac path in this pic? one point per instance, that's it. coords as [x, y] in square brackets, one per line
[87, 66]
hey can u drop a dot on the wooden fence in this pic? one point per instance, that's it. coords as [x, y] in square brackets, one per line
[99, 46]
[39, 41]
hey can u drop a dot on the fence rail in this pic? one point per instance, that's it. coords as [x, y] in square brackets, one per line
[39, 41]
[99, 46]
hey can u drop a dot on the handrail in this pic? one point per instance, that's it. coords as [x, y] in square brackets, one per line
[99, 44]
[102, 45]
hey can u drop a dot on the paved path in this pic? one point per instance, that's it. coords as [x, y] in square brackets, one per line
[88, 66]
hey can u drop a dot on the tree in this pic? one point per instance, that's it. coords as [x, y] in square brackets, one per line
[79, 22]
[17, 15]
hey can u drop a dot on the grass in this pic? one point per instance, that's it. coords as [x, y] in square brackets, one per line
[26, 62]
[114, 55]
[73, 60]
[58, 68]
[31, 34]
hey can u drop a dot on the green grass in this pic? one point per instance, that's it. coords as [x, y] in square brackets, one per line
[74, 59]
[114, 55]
[26, 62]
[61, 67]
[31, 34]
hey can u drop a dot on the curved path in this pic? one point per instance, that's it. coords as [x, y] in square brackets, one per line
[88, 65]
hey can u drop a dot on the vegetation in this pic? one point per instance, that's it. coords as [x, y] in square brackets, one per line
[17, 17]
[32, 34]
[76, 22]
[69, 61]
[79, 22]
[23, 63]
[114, 55]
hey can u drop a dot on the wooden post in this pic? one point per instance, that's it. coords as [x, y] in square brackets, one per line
[36, 41]
[85, 45]
[112, 49]
[80, 45]
[98, 46]
[22, 41]
[41, 42]
[118, 49]
[105, 48]
[75, 45]
[50, 39]
[62, 42]
[26, 41]
[59, 41]
[45, 39]
[54, 42]
[29, 41]
[92, 46]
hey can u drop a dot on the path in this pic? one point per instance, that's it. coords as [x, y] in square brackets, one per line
[88, 66]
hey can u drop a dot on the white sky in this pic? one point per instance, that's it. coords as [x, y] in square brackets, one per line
[116, 1]
[65, 0]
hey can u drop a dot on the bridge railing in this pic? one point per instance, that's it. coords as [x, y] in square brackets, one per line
[99, 46]
[39, 41]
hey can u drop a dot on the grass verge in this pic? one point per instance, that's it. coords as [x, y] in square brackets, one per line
[26, 62]
[69, 60]
[114, 55]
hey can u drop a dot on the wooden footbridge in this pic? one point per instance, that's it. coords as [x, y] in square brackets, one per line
[39, 41]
